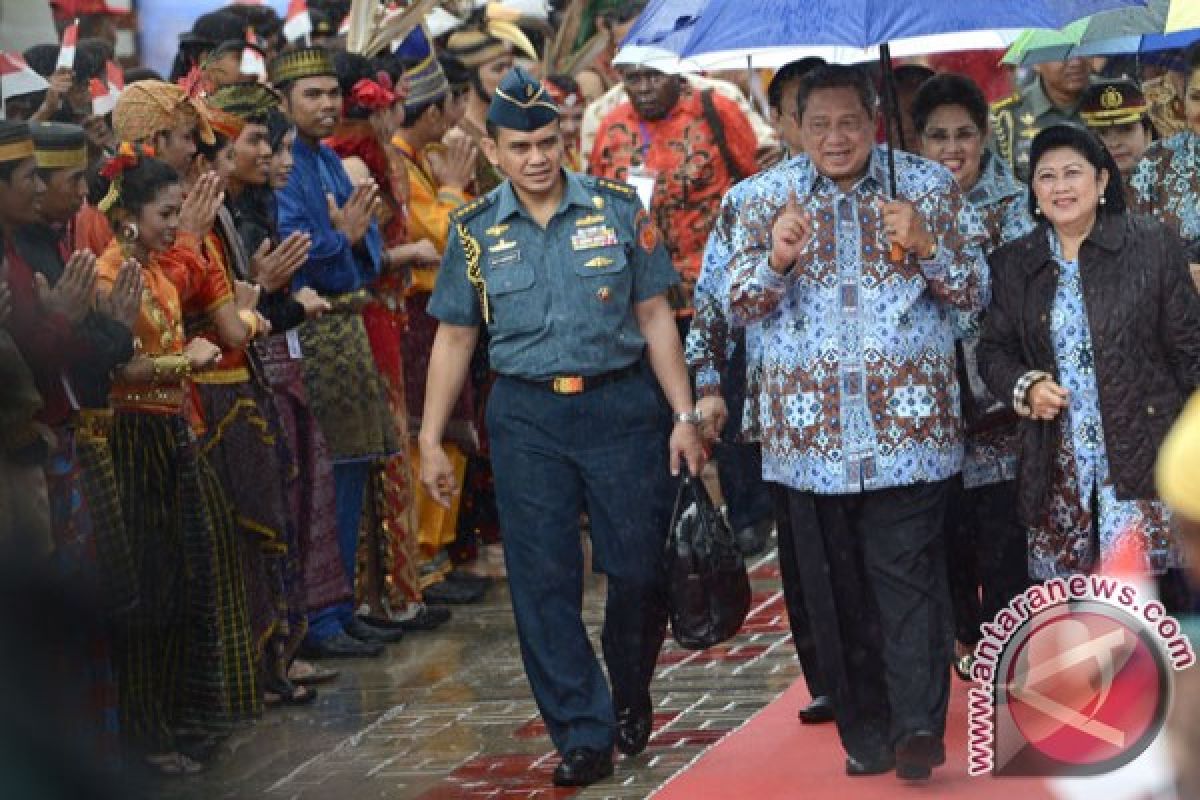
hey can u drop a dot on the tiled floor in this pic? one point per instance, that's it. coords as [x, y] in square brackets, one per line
[449, 715]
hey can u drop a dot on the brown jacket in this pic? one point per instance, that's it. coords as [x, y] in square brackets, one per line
[1144, 317]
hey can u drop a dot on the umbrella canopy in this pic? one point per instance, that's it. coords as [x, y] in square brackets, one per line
[735, 27]
[1037, 45]
[1184, 14]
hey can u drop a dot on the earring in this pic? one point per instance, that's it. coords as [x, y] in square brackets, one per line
[1037, 211]
[1103, 199]
[129, 232]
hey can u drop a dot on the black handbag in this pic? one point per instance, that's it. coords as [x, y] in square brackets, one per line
[981, 410]
[708, 590]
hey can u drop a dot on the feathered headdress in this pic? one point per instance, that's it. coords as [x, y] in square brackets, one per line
[127, 157]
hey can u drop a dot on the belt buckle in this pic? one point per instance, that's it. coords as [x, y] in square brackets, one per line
[568, 384]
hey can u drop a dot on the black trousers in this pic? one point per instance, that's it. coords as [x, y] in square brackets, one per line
[873, 571]
[987, 554]
[793, 595]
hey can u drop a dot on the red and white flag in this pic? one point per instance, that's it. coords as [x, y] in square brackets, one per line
[66, 53]
[299, 21]
[18, 78]
[106, 93]
[253, 62]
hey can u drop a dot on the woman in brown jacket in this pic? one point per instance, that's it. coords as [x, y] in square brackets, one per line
[1093, 335]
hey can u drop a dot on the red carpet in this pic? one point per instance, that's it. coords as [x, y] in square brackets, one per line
[774, 756]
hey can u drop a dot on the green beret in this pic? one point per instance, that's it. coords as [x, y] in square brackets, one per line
[521, 103]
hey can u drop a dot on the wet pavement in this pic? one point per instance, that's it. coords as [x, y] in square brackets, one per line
[448, 714]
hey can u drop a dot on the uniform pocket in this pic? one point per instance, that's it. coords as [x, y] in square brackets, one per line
[515, 298]
[605, 284]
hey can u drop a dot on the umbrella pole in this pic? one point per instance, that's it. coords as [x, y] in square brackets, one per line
[891, 112]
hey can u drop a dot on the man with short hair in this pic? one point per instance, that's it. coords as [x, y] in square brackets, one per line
[859, 404]
[568, 276]
[344, 388]
[1052, 98]
[781, 97]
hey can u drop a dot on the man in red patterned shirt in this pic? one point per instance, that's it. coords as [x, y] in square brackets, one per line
[683, 150]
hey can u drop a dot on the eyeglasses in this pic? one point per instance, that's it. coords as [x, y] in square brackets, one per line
[846, 126]
[960, 136]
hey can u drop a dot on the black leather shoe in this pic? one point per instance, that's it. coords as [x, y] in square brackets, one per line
[752, 539]
[582, 767]
[917, 753]
[454, 593]
[818, 711]
[372, 635]
[340, 646]
[869, 766]
[633, 730]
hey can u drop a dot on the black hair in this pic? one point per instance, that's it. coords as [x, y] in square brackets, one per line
[789, 72]
[949, 89]
[208, 32]
[836, 76]
[7, 168]
[1087, 145]
[911, 76]
[140, 184]
[209, 151]
[263, 19]
[352, 68]
[135, 74]
[413, 114]
[565, 83]
[91, 60]
[1191, 59]
[42, 59]
[278, 125]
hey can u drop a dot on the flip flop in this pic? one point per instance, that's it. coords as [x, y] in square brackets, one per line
[315, 674]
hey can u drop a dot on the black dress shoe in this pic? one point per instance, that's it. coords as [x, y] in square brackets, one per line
[917, 753]
[360, 630]
[454, 593]
[633, 730]
[582, 767]
[869, 766]
[818, 711]
[340, 646]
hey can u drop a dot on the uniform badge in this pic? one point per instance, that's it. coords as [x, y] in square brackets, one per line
[590, 219]
[1027, 119]
[598, 201]
[600, 262]
[497, 230]
[501, 246]
[647, 233]
[604, 294]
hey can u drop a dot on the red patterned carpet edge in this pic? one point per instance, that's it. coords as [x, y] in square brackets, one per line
[773, 756]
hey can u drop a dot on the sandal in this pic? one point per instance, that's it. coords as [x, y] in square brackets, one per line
[307, 673]
[282, 691]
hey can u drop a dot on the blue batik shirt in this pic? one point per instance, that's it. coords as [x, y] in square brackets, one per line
[334, 266]
[858, 387]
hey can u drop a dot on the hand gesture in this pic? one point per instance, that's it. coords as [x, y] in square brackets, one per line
[437, 474]
[72, 295]
[60, 84]
[685, 445]
[713, 416]
[904, 227]
[273, 268]
[314, 305]
[354, 218]
[791, 234]
[201, 354]
[200, 206]
[455, 167]
[424, 252]
[1046, 400]
[124, 300]
[245, 295]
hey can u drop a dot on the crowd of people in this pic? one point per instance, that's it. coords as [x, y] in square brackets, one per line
[295, 360]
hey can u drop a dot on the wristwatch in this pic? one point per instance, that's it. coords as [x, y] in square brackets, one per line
[692, 417]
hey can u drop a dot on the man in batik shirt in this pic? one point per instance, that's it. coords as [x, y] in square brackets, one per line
[859, 404]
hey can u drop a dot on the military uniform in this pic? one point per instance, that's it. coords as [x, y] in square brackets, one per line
[1020, 117]
[575, 422]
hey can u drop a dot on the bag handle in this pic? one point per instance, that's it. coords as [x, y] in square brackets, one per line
[718, 131]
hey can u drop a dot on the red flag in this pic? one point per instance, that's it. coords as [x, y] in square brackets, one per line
[66, 53]
[114, 75]
[104, 97]
[299, 21]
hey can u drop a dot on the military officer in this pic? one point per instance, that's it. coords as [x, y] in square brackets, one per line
[1051, 98]
[568, 275]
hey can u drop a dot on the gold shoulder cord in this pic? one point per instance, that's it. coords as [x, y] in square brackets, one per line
[475, 269]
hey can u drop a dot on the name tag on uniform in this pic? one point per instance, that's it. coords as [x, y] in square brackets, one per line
[504, 258]
[293, 343]
[589, 220]
[501, 246]
[594, 236]
[600, 262]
